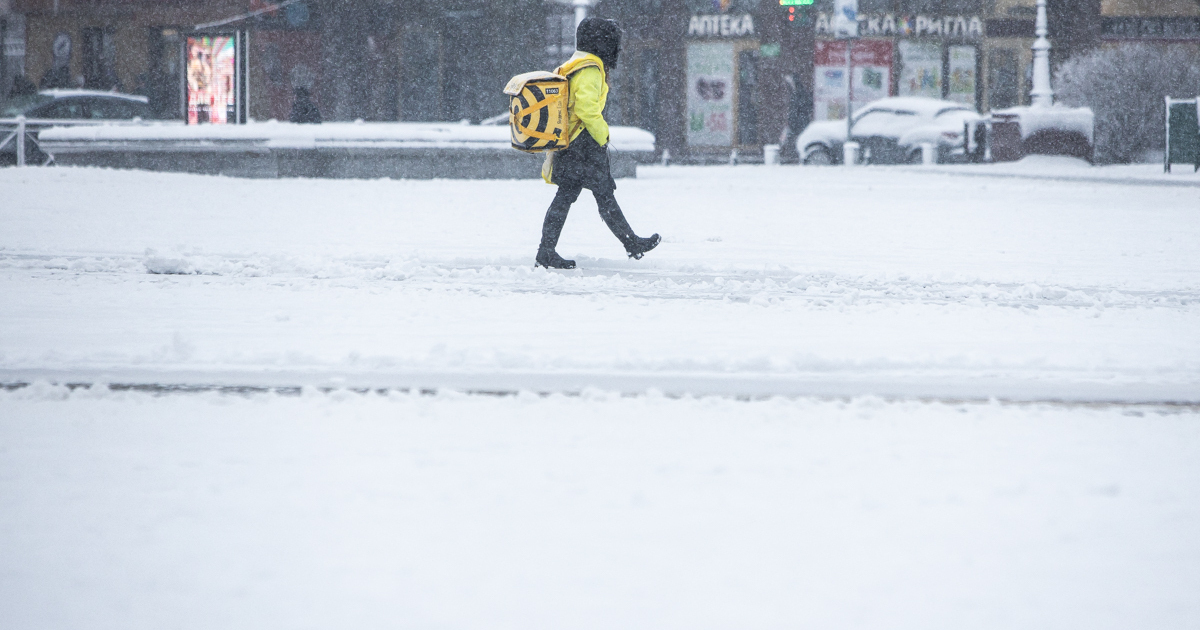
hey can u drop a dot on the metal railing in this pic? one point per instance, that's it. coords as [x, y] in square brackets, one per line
[23, 131]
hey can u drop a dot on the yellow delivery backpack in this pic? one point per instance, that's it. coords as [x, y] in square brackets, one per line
[537, 112]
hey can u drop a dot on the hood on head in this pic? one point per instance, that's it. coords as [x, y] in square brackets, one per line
[601, 38]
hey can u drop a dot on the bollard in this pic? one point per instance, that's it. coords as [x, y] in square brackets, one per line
[928, 154]
[987, 142]
[770, 154]
[850, 153]
[20, 141]
[666, 157]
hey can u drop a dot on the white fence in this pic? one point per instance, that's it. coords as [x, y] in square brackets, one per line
[21, 131]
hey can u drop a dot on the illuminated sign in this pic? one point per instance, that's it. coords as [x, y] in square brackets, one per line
[211, 79]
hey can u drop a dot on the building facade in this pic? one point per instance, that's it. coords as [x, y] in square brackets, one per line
[708, 77]
[362, 59]
[713, 76]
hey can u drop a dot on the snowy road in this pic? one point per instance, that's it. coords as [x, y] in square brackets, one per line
[892, 282]
[129, 511]
[833, 493]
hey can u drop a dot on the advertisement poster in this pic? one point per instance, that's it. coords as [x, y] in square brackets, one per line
[920, 69]
[872, 72]
[710, 94]
[962, 75]
[211, 72]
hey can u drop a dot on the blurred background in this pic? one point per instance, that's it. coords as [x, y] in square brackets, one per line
[447, 60]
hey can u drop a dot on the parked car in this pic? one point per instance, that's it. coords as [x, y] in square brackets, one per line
[892, 130]
[66, 105]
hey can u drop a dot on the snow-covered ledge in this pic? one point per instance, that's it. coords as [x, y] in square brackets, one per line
[273, 134]
[278, 149]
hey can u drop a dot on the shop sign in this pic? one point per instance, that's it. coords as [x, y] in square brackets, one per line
[890, 25]
[1187, 28]
[721, 26]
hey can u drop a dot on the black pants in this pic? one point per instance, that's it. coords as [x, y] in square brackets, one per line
[584, 164]
[606, 202]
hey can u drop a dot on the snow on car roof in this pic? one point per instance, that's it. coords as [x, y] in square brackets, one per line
[60, 93]
[918, 104]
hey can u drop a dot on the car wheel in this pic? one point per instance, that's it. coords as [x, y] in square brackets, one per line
[819, 156]
[914, 157]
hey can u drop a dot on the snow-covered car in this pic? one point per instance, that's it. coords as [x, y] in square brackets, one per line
[892, 130]
[54, 105]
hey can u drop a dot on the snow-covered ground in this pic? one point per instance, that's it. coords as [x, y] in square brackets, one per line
[769, 281]
[832, 398]
[198, 511]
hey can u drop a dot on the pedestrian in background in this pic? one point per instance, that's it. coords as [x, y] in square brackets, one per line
[304, 110]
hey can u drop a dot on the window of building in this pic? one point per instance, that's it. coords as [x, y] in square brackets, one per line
[1003, 78]
[99, 60]
[560, 36]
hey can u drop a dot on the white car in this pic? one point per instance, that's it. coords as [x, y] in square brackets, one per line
[892, 130]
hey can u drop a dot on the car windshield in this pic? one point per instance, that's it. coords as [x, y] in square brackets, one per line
[954, 110]
[22, 104]
[876, 110]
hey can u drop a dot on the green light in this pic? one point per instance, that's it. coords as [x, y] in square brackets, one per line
[794, 3]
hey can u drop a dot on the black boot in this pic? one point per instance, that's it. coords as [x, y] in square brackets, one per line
[640, 246]
[635, 245]
[552, 226]
[550, 259]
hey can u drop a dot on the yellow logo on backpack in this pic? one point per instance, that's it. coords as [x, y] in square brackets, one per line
[537, 114]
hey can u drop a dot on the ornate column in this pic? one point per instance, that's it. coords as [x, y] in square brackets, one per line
[1041, 95]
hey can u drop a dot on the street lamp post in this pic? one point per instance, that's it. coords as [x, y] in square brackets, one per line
[1041, 95]
[581, 10]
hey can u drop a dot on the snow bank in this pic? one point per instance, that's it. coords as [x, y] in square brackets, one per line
[287, 135]
[1066, 169]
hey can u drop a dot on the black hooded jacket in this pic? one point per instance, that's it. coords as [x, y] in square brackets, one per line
[601, 38]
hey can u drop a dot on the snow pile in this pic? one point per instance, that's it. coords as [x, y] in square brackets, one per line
[1070, 169]
[1034, 120]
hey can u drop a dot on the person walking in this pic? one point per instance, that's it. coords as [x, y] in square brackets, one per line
[304, 110]
[584, 163]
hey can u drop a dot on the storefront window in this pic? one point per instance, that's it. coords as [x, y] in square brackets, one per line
[920, 69]
[747, 97]
[99, 60]
[1003, 79]
[710, 94]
